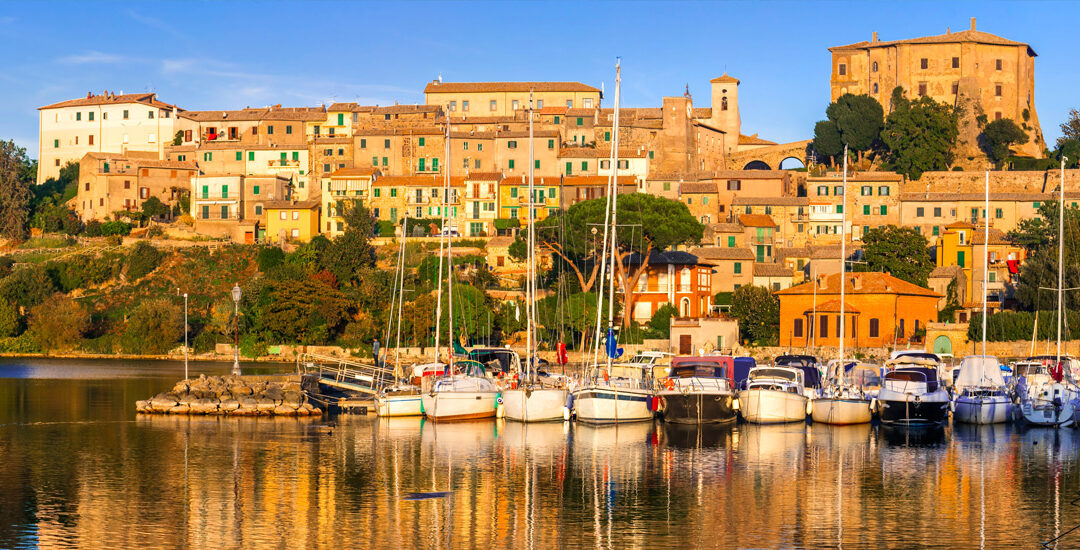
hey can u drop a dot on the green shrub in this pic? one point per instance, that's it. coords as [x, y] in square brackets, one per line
[269, 258]
[93, 228]
[252, 347]
[104, 345]
[153, 328]
[155, 231]
[384, 228]
[142, 259]
[58, 323]
[116, 228]
[27, 286]
[20, 344]
[114, 240]
[10, 320]
[205, 341]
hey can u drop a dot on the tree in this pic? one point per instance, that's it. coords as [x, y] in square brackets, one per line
[417, 320]
[518, 250]
[153, 207]
[920, 135]
[859, 120]
[10, 321]
[1039, 236]
[351, 253]
[901, 251]
[660, 324]
[827, 140]
[28, 286]
[471, 312]
[143, 258]
[304, 311]
[178, 139]
[269, 258]
[14, 191]
[1070, 149]
[758, 312]
[58, 323]
[1070, 129]
[998, 136]
[153, 328]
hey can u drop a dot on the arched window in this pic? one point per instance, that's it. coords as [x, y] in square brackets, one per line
[874, 67]
[684, 280]
[723, 104]
[875, 87]
[684, 307]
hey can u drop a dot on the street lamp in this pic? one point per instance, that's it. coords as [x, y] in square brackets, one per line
[236, 330]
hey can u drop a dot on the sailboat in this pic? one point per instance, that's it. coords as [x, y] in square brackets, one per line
[531, 401]
[455, 395]
[400, 398]
[980, 389]
[613, 393]
[839, 402]
[1045, 398]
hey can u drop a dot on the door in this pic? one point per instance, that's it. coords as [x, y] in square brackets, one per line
[943, 345]
[684, 345]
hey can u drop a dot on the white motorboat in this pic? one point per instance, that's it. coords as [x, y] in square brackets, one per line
[622, 394]
[535, 403]
[981, 396]
[911, 393]
[698, 390]
[461, 396]
[850, 397]
[399, 401]
[774, 395]
[1042, 399]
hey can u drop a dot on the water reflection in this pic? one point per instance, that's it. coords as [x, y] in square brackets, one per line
[79, 468]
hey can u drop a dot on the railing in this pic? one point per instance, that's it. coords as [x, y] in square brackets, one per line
[217, 197]
[347, 374]
[278, 163]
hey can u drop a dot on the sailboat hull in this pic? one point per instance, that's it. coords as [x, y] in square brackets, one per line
[982, 410]
[603, 405]
[1047, 405]
[697, 407]
[534, 405]
[464, 405]
[841, 411]
[761, 406]
[399, 404]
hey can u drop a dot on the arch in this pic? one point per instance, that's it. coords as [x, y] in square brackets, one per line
[943, 345]
[756, 165]
[684, 307]
[723, 103]
[785, 165]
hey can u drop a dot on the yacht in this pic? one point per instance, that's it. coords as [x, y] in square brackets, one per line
[399, 400]
[981, 396]
[1042, 396]
[848, 397]
[465, 395]
[698, 390]
[622, 393]
[774, 395]
[808, 364]
[911, 393]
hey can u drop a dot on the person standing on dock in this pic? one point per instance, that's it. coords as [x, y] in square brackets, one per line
[375, 352]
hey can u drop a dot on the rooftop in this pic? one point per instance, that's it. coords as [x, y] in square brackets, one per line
[756, 220]
[111, 99]
[769, 269]
[859, 283]
[437, 86]
[968, 36]
[720, 253]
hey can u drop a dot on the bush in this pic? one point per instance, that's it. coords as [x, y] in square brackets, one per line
[57, 324]
[93, 228]
[114, 240]
[21, 344]
[269, 258]
[143, 259]
[384, 228]
[153, 328]
[252, 347]
[660, 324]
[116, 228]
[28, 286]
[10, 320]
[206, 341]
[84, 271]
[155, 231]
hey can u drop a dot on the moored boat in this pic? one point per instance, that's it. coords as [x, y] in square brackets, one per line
[774, 395]
[461, 396]
[622, 394]
[698, 390]
[980, 392]
[849, 399]
[1043, 398]
[911, 393]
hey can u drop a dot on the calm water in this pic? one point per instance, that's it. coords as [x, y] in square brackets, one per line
[78, 469]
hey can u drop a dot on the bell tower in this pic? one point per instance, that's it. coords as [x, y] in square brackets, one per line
[725, 110]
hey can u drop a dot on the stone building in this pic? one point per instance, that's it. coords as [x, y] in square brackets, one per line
[506, 98]
[110, 183]
[985, 74]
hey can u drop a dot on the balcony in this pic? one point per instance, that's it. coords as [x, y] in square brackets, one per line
[278, 163]
[230, 197]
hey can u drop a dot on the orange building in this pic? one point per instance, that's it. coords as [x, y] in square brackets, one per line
[880, 310]
[677, 278]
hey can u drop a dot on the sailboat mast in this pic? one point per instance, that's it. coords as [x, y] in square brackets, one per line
[401, 299]
[530, 261]
[1061, 256]
[843, 263]
[615, 205]
[604, 249]
[986, 255]
[449, 261]
[442, 245]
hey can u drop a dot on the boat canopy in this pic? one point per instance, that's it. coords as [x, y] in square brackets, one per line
[863, 375]
[742, 369]
[768, 373]
[795, 361]
[916, 354]
[916, 374]
[1028, 368]
[464, 384]
[508, 360]
[700, 367]
[980, 370]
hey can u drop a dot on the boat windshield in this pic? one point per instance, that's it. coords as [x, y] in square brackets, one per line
[697, 370]
[1030, 369]
[765, 374]
[863, 377]
[915, 375]
[796, 360]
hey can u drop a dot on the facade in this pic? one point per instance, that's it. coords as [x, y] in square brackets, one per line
[732, 267]
[345, 185]
[694, 335]
[881, 311]
[506, 98]
[295, 222]
[232, 206]
[962, 245]
[678, 278]
[111, 183]
[104, 123]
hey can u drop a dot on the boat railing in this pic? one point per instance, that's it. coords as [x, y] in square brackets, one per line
[347, 374]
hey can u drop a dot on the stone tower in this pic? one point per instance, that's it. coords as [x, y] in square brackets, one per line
[725, 110]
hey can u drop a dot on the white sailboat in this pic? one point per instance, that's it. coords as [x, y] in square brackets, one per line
[455, 396]
[400, 398]
[981, 397]
[613, 393]
[838, 401]
[532, 401]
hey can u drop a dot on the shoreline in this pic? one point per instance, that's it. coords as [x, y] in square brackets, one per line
[202, 358]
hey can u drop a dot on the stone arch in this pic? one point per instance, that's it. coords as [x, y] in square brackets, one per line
[943, 345]
[801, 161]
[757, 165]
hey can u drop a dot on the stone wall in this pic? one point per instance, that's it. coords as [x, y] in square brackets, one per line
[233, 396]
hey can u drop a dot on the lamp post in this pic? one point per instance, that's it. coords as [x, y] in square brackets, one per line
[236, 329]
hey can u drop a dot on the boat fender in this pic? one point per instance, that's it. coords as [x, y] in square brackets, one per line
[952, 406]
[735, 404]
[917, 399]
[873, 405]
[499, 410]
[566, 413]
[809, 407]
[669, 384]
[569, 401]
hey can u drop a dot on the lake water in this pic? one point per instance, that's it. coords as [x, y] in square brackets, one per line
[79, 469]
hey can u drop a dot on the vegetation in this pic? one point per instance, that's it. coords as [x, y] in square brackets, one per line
[919, 135]
[1010, 326]
[854, 120]
[14, 191]
[998, 136]
[901, 251]
[1039, 236]
[758, 312]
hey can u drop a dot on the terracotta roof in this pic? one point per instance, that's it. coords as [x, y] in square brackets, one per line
[432, 180]
[960, 224]
[311, 114]
[466, 87]
[721, 253]
[769, 201]
[754, 140]
[831, 306]
[725, 228]
[582, 152]
[832, 251]
[144, 162]
[955, 37]
[280, 205]
[484, 176]
[581, 112]
[869, 283]
[954, 197]
[598, 180]
[500, 242]
[405, 109]
[783, 252]
[549, 110]
[756, 220]
[101, 99]
[997, 236]
[749, 174]
[724, 78]
[417, 131]
[946, 271]
[769, 269]
[326, 140]
[855, 177]
[353, 172]
[701, 112]
[537, 133]
[697, 188]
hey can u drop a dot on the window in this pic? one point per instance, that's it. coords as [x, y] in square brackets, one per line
[867, 191]
[511, 144]
[839, 209]
[873, 67]
[997, 90]
[992, 278]
[536, 163]
[875, 327]
[453, 107]
[420, 141]
[738, 268]
[127, 184]
[386, 144]
[580, 121]
[569, 103]
[838, 190]
[584, 165]
[922, 89]
[569, 168]
[997, 66]
[224, 191]
[919, 212]
[884, 210]
[385, 161]
[823, 190]
[421, 164]
[326, 167]
[955, 88]
[842, 69]
[126, 116]
[465, 106]
[78, 115]
[492, 105]
[937, 211]
[823, 331]
[935, 231]
[56, 144]
[866, 210]
[924, 63]
[251, 156]
[999, 213]
[363, 143]
[255, 190]
[258, 210]
[296, 215]
[883, 191]
[510, 164]
[270, 129]
[557, 118]
[208, 156]
[150, 114]
[288, 128]
[956, 62]
[539, 103]
[960, 258]
[588, 103]
[974, 213]
[205, 211]
[465, 146]
[224, 211]
[875, 88]
[90, 115]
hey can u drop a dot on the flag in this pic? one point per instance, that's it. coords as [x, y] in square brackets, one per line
[612, 349]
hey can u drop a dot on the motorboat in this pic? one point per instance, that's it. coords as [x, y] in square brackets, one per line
[698, 390]
[1041, 395]
[466, 395]
[743, 366]
[399, 400]
[911, 393]
[849, 396]
[980, 393]
[810, 368]
[623, 393]
[774, 395]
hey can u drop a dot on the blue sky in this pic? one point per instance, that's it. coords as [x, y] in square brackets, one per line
[233, 54]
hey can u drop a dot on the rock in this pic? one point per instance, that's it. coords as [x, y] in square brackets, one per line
[143, 406]
[291, 386]
[240, 390]
[162, 403]
[294, 398]
[188, 398]
[274, 394]
[284, 410]
[266, 405]
[228, 405]
[180, 409]
[204, 406]
[181, 387]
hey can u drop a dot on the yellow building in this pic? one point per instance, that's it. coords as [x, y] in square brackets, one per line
[288, 221]
[514, 193]
[962, 245]
[505, 98]
[344, 185]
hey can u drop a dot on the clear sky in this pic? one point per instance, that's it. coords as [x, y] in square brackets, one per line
[226, 55]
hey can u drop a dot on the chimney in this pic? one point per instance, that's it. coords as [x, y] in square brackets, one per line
[972, 23]
[856, 282]
[822, 282]
[948, 31]
[874, 39]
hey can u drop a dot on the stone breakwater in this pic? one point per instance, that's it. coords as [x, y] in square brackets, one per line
[233, 396]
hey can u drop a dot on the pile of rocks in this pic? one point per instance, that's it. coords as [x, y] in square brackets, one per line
[234, 396]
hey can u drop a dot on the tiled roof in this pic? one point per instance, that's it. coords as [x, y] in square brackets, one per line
[281, 205]
[111, 99]
[433, 180]
[500, 242]
[868, 283]
[467, 87]
[484, 176]
[354, 172]
[832, 251]
[960, 224]
[769, 269]
[552, 110]
[720, 253]
[754, 140]
[418, 131]
[725, 228]
[749, 174]
[583, 152]
[598, 180]
[249, 115]
[955, 37]
[675, 257]
[783, 252]
[756, 220]
[946, 271]
[831, 306]
[697, 188]
[724, 78]
[405, 109]
[769, 201]
[855, 177]
[997, 236]
[143, 162]
[954, 197]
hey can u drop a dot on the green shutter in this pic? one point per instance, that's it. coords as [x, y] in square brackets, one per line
[374, 161]
[511, 164]
[536, 163]
[255, 190]
[384, 161]
[569, 168]
[341, 119]
[284, 156]
[434, 164]
[551, 144]
[421, 165]
[738, 268]
[251, 155]
[224, 191]
[205, 212]
[556, 119]
[584, 165]
[375, 192]
[839, 209]
[421, 141]
[56, 144]
[650, 154]
[580, 121]
[884, 210]
[731, 242]
[607, 136]
[239, 155]
[106, 168]
[866, 210]
[206, 192]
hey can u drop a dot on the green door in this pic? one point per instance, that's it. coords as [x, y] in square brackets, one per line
[960, 258]
[943, 345]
